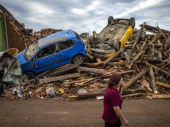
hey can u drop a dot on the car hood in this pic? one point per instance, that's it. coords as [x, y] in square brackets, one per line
[21, 58]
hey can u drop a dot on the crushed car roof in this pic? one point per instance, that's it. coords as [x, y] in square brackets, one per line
[56, 37]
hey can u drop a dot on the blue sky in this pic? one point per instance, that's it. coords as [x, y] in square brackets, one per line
[87, 15]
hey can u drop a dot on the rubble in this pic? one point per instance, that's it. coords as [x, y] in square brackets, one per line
[143, 64]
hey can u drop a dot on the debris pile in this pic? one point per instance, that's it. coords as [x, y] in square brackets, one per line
[143, 64]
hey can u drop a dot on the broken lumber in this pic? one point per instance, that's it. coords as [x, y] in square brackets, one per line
[158, 69]
[132, 95]
[136, 58]
[89, 95]
[92, 64]
[68, 83]
[90, 56]
[92, 70]
[160, 96]
[163, 35]
[57, 78]
[137, 39]
[113, 56]
[131, 91]
[63, 69]
[145, 83]
[117, 63]
[153, 83]
[163, 84]
[135, 78]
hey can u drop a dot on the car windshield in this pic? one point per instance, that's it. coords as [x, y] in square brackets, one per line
[31, 50]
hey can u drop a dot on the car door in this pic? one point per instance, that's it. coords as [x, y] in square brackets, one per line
[47, 58]
[67, 51]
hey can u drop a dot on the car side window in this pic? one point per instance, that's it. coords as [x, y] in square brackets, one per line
[66, 44]
[57, 47]
[46, 51]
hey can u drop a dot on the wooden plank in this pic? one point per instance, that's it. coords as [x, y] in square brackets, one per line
[93, 70]
[135, 78]
[160, 96]
[136, 58]
[137, 39]
[131, 91]
[163, 35]
[68, 83]
[117, 63]
[133, 95]
[113, 56]
[57, 78]
[157, 68]
[163, 84]
[90, 56]
[153, 82]
[89, 95]
[92, 64]
[63, 69]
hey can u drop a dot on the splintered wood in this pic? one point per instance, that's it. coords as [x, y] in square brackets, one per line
[143, 64]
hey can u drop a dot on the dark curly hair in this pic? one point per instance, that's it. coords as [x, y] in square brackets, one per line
[114, 80]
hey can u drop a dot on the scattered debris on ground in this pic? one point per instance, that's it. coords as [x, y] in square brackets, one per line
[143, 63]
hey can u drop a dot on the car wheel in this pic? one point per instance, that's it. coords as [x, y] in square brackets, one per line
[29, 74]
[132, 22]
[110, 20]
[78, 59]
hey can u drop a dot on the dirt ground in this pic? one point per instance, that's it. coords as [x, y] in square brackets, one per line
[82, 113]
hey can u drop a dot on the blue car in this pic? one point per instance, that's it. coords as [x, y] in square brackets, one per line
[52, 51]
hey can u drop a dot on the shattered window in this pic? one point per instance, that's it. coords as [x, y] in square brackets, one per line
[66, 44]
[46, 51]
[31, 50]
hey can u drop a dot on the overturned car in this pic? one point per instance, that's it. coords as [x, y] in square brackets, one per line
[52, 51]
[112, 38]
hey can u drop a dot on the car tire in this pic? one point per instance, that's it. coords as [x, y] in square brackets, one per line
[110, 20]
[29, 74]
[132, 22]
[78, 59]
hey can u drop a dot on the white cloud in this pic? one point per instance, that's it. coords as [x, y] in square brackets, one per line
[78, 11]
[86, 16]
